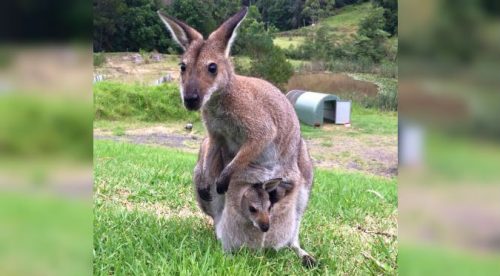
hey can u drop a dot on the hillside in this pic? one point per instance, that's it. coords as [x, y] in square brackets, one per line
[344, 24]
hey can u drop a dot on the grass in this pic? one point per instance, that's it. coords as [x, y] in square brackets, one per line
[43, 234]
[434, 260]
[116, 101]
[364, 121]
[146, 221]
[285, 42]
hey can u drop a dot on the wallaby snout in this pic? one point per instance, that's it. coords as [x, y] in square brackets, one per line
[192, 100]
[263, 222]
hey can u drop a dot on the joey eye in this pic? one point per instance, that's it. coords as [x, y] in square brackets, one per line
[212, 68]
[183, 66]
[252, 210]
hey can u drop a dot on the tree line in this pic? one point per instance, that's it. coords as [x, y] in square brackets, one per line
[131, 25]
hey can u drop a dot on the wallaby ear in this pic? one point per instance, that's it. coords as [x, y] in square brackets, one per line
[224, 36]
[285, 185]
[280, 191]
[181, 32]
[271, 184]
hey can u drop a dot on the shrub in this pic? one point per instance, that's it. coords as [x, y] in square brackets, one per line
[145, 56]
[117, 101]
[371, 38]
[99, 59]
[273, 67]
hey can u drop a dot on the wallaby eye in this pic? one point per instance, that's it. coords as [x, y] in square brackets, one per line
[212, 68]
[252, 210]
[183, 66]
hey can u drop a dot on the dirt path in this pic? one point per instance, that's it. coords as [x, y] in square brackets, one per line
[371, 154]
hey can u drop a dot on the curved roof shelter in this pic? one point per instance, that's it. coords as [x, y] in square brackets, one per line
[313, 108]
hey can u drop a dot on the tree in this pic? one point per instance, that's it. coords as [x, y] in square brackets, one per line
[128, 25]
[371, 38]
[196, 13]
[390, 14]
[107, 15]
[273, 67]
[267, 60]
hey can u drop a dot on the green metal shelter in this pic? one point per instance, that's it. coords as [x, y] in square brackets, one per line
[313, 108]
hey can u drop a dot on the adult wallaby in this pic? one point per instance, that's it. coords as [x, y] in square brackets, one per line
[248, 119]
[264, 215]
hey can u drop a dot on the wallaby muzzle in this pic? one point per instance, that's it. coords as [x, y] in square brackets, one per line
[264, 227]
[192, 101]
[192, 97]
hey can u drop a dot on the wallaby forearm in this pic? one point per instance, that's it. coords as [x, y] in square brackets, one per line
[248, 152]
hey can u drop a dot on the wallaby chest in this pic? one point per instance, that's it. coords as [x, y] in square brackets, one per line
[222, 125]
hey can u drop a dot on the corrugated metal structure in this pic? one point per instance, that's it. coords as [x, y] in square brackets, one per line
[313, 108]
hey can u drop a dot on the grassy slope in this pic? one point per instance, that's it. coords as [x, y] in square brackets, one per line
[140, 190]
[345, 23]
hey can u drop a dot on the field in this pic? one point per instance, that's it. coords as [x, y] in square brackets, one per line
[146, 221]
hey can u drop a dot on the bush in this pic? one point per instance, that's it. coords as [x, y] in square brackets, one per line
[117, 101]
[99, 59]
[145, 56]
[273, 67]
[371, 38]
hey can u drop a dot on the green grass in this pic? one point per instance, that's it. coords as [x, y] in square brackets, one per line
[285, 42]
[44, 234]
[348, 17]
[116, 101]
[140, 191]
[434, 260]
[364, 121]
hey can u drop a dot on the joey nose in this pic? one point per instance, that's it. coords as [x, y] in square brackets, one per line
[192, 101]
[264, 227]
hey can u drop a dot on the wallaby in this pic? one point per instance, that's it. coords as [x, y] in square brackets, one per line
[263, 215]
[251, 126]
[248, 119]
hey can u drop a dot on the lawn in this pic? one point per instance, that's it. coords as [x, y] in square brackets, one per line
[146, 221]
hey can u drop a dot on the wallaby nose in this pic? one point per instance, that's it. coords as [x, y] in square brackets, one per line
[264, 227]
[192, 101]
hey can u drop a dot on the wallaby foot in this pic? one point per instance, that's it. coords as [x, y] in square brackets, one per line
[204, 193]
[307, 260]
[222, 183]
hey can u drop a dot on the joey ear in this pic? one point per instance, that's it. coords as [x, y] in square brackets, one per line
[224, 36]
[287, 186]
[181, 32]
[271, 184]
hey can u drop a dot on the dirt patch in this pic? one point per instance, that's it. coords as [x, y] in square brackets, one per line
[332, 83]
[123, 67]
[158, 209]
[171, 140]
[373, 154]
[450, 214]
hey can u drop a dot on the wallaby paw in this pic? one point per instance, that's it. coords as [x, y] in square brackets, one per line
[204, 194]
[308, 261]
[222, 185]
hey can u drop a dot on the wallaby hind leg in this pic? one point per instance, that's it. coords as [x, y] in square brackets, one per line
[307, 260]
